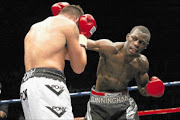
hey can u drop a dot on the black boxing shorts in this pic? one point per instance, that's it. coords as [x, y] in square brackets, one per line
[111, 106]
[44, 95]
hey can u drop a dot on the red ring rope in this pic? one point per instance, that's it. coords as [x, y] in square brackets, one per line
[149, 112]
[159, 111]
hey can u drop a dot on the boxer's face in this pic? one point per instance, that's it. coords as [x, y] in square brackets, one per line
[137, 42]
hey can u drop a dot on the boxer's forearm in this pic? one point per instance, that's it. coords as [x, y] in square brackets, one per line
[91, 45]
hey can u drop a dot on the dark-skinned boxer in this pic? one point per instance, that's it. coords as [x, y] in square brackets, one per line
[119, 63]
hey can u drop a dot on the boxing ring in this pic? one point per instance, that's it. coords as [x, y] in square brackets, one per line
[132, 88]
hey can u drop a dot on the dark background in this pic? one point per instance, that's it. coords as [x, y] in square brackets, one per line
[114, 20]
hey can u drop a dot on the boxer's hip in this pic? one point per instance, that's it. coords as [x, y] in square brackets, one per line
[108, 98]
[44, 95]
[111, 106]
[45, 72]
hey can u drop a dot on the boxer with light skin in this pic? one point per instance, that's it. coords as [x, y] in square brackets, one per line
[119, 63]
[44, 94]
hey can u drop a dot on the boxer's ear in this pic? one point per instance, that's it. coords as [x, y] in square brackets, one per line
[127, 36]
[76, 21]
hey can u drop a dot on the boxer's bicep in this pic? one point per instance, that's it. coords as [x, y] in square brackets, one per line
[102, 45]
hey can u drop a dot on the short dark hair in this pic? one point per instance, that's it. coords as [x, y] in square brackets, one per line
[75, 10]
[143, 29]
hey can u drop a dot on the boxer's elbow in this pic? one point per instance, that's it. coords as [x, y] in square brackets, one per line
[79, 69]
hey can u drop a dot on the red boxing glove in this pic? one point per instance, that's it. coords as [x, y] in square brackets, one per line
[87, 25]
[155, 87]
[57, 7]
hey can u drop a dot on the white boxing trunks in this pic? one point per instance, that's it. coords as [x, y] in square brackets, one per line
[44, 95]
[111, 106]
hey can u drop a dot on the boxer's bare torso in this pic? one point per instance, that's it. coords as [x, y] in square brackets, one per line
[46, 44]
[121, 62]
[115, 70]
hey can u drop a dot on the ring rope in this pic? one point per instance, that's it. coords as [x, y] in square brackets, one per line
[149, 112]
[175, 83]
[159, 111]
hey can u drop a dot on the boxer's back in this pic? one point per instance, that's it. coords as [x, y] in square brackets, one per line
[45, 44]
